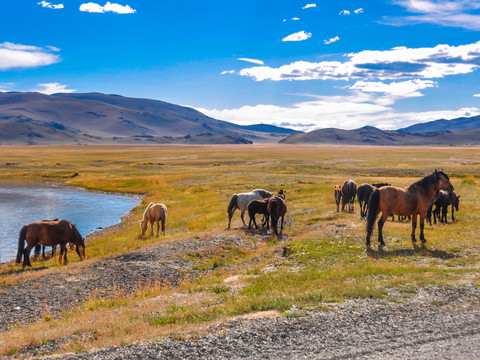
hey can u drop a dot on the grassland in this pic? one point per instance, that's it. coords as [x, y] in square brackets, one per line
[321, 258]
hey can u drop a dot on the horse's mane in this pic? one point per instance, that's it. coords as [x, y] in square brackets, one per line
[263, 193]
[148, 207]
[74, 229]
[428, 180]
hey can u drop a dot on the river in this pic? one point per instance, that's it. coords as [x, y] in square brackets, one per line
[21, 203]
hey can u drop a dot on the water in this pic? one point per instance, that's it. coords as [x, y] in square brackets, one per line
[26, 202]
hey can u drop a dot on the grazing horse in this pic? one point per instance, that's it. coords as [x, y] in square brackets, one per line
[241, 201]
[363, 194]
[277, 208]
[455, 202]
[349, 191]
[49, 233]
[258, 207]
[153, 214]
[338, 195]
[414, 200]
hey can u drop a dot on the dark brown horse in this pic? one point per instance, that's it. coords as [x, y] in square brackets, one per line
[277, 208]
[258, 207]
[49, 233]
[338, 195]
[363, 194]
[414, 200]
[349, 191]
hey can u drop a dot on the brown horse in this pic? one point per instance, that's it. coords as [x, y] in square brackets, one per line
[153, 214]
[414, 200]
[49, 233]
[277, 208]
[349, 192]
[338, 195]
[258, 207]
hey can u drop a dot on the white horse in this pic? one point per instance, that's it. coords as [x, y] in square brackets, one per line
[240, 201]
[154, 213]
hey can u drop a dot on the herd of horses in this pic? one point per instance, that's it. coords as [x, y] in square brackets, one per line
[415, 201]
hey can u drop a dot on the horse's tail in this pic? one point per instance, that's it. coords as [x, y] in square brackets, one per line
[373, 203]
[233, 204]
[21, 240]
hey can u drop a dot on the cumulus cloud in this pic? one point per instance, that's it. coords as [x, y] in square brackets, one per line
[344, 112]
[458, 13]
[108, 7]
[331, 40]
[308, 6]
[253, 61]
[53, 88]
[344, 12]
[298, 36]
[396, 63]
[46, 4]
[25, 56]
[358, 11]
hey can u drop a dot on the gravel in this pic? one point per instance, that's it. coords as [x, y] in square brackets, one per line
[433, 323]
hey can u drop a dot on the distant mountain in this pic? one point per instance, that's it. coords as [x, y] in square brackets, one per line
[95, 118]
[369, 135]
[463, 123]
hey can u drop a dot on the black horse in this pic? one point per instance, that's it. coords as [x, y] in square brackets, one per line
[349, 191]
[442, 201]
[363, 194]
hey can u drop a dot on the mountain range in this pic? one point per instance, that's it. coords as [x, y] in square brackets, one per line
[95, 118]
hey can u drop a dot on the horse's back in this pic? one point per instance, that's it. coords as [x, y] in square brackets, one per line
[157, 211]
[398, 200]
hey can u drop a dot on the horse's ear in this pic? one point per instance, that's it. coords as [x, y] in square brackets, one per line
[458, 197]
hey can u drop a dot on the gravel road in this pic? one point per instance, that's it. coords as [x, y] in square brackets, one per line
[431, 324]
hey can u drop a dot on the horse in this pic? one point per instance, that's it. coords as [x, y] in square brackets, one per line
[379, 185]
[442, 202]
[414, 200]
[154, 213]
[41, 248]
[363, 194]
[258, 207]
[49, 233]
[338, 195]
[349, 191]
[277, 208]
[455, 202]
[241, 201]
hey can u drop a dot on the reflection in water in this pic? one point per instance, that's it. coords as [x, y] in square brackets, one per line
[24, 203]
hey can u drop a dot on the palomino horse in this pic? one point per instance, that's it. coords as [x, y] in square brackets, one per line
[338, 195]
[153, 214]
[414, 200]
[49, 233]
[349, 191]
[277, 208]
[258, 207]
[241, 201]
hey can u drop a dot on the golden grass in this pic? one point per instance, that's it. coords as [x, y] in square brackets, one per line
[326, 259]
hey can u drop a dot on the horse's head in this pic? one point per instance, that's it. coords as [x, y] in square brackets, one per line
[456, 202]
[143, 225]
[80, 249]
[442, 180]
[281, 193]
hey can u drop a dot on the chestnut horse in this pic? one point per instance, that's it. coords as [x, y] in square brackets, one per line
[277, 208]
[49, 233]
[414, 200]
[338, 195]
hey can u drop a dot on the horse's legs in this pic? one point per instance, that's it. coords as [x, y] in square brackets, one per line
[65, 261]
[158, 227]
[422, 225]
[26, 256]
[241, 215]
[152, 222]
[453, 212]
[281, 227]
[444, 214]
[163, 227]
[63, 252]
[414, 226]
[380, 223]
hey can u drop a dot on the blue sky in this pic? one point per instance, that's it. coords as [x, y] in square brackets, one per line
[303, 64]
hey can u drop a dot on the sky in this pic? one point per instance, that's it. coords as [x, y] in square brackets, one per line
[301, 64]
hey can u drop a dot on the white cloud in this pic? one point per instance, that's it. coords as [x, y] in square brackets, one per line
[108, 7]
[253, 61]
[295, 18]
[331, 40]
[441, 12]
[50, 5]
[397, 63]
[344, 12]
[53, 88]
[358, 11]
[227, 72]
[477, 95]
[308, 6]
[25, 56]
[298, 36]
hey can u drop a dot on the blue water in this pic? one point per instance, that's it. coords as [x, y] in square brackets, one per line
[21, 203]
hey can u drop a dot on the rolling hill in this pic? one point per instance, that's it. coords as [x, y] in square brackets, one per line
[95, 118]
[463, 123]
